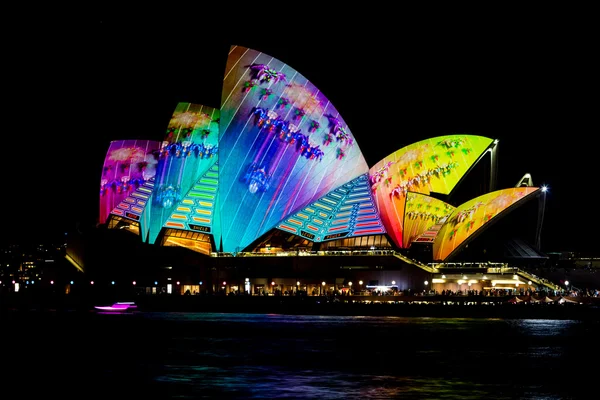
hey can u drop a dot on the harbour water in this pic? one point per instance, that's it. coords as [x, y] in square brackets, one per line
[181, 355]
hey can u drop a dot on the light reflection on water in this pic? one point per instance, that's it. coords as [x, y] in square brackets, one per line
[544, 327]
[339, 357]
[214, 355]
[260, 382]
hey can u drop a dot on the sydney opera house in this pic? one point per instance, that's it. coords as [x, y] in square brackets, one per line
[270, 192]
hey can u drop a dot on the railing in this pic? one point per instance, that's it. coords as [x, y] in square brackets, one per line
[537, 279]
[502, 268]
[489, 267]
[425, 267]
[373, 252]
[486, 265]
[308, 253]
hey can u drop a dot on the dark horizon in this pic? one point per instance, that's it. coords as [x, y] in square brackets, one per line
[122, 81]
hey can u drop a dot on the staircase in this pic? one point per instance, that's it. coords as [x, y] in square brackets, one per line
[416, 263]
[537, 279]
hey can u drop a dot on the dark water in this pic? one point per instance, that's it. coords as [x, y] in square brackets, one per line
[196, 355]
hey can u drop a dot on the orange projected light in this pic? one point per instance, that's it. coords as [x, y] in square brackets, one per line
[421, 213]
[432, 165]
[473, 215]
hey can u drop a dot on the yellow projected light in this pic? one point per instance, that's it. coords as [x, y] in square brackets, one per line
[421, 213]
[432, 165]
[474, 214]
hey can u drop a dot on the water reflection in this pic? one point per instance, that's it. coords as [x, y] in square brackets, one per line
[198, 355]
[545, 327]
[335, 357]
[263, 382]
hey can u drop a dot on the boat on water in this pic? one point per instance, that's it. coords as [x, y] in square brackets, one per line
[121, 306]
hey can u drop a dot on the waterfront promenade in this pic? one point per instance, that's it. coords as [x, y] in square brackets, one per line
[542, 307]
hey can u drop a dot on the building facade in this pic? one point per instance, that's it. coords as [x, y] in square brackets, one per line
[274, 175]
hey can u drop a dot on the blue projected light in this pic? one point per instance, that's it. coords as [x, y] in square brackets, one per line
[189, 150]
[283, 145]
[346, 211]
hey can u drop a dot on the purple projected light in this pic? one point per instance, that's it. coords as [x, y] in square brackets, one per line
[120, 306]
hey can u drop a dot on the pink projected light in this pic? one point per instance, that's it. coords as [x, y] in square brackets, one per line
[127, 166]
[120, 306]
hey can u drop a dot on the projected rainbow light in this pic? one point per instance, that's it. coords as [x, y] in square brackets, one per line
[189, 150]
[128, 165]
[278, 155]
[432, 165]
[421, 213]
[133, 207]
[474, 214]
[344, 212]
[283, 146]
[197, 211]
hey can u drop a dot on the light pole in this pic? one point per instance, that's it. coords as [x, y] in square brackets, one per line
[541, 212]
[493, 165]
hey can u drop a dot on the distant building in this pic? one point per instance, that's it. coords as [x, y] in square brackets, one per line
[26, 265]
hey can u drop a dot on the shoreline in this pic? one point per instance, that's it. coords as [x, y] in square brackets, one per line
[452, 307]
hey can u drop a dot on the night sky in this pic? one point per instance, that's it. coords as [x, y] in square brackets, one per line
[76, 85]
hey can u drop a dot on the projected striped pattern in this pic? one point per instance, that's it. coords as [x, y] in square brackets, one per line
[134, 205]
[347, 211]
[429, 235]
[197, 209]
